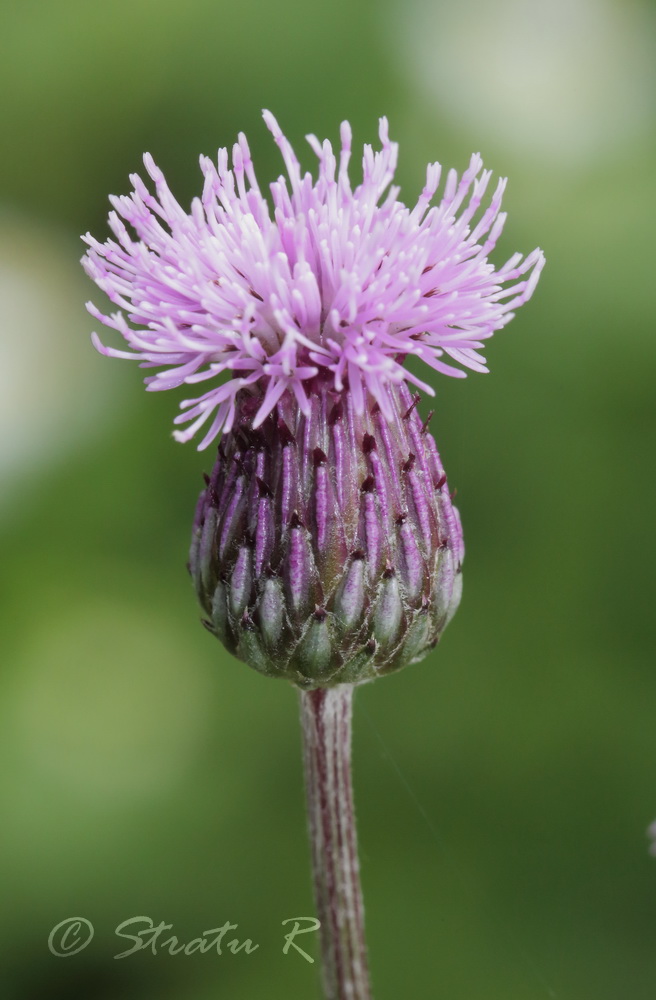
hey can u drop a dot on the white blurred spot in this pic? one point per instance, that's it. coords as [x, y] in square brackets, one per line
[53, 385]
[651, 833]
[567, 80]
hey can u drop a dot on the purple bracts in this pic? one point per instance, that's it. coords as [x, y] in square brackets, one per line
[326, 549]
[327, 279]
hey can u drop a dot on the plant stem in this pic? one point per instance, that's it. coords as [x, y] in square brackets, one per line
[326, 724]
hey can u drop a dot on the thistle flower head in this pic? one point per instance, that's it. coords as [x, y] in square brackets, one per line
[325, 547]
[328, 280]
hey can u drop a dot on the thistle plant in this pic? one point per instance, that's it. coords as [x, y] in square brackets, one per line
[325, 549]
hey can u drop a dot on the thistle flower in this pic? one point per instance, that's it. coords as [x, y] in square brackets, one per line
[325, 546]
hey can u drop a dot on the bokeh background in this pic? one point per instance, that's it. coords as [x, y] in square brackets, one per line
[504, 786]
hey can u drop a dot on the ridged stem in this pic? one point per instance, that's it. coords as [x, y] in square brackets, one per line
[326, 725]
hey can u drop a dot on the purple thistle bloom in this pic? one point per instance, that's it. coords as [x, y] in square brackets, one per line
[333, 281]
[325, 548]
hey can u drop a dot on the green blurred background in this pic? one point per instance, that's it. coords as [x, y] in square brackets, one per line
[504, 786]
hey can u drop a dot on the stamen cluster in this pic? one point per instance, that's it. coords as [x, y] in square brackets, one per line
[327, 280]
